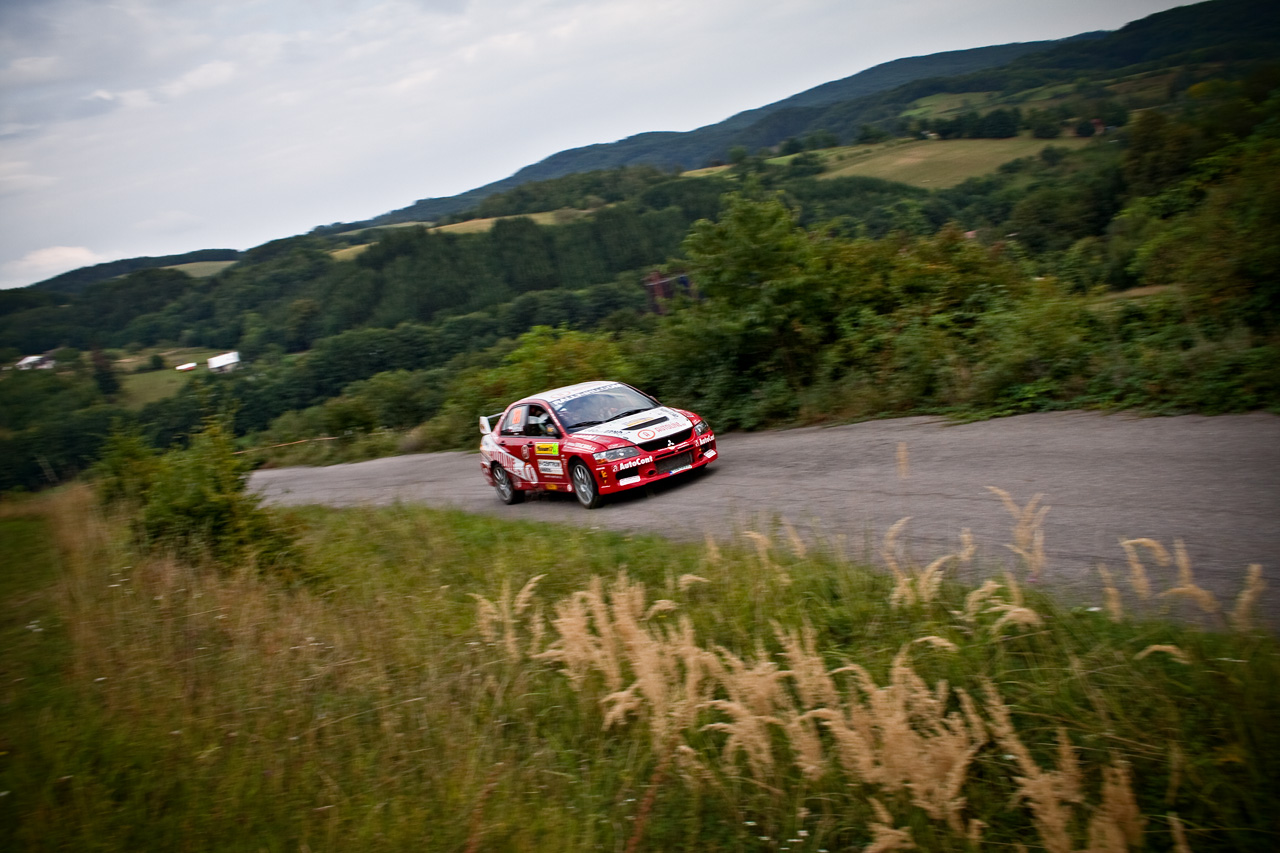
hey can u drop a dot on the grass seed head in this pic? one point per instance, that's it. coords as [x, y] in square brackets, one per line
[1242, 615]
[1172, 651]
[1114, 607]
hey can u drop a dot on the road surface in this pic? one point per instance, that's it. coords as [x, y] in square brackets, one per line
[1213, 482]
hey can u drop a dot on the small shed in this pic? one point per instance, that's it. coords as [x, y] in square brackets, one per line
[224, 363]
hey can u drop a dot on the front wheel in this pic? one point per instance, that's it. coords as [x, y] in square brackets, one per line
[507, 491]
[584, 485]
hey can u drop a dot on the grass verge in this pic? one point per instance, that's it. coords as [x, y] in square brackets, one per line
[451, 682]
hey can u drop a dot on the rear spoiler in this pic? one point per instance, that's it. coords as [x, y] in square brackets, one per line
[485, 426]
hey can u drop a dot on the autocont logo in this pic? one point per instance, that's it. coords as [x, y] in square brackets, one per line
[633, 463]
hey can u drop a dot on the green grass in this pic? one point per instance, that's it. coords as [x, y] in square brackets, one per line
[32, 668]
[935, 164]
[215, 708]
[139, 389]
[202, 269]
[949, 103]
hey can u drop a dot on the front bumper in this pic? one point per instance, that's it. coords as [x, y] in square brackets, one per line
[697, 452]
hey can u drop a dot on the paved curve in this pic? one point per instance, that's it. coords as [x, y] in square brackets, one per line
[1213, 482]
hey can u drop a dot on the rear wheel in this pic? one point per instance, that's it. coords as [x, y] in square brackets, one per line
[584, 485]
[507, 491]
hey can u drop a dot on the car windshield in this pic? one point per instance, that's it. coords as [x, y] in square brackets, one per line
[601, 406]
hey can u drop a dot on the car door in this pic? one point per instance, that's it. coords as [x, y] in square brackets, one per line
[515, 447]
[545, 447]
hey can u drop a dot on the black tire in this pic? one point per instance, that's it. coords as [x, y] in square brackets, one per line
[507, 491]
[584, 485]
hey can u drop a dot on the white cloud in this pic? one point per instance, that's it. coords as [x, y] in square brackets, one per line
[18, 177]
[48, 262]
[207, 76]
[29, 69]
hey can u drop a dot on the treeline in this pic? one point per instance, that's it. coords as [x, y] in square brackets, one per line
[53, 424]
[290, 293]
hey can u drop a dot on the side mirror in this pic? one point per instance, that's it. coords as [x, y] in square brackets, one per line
[485, 429]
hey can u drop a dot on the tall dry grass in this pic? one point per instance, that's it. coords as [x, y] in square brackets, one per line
[457, 683]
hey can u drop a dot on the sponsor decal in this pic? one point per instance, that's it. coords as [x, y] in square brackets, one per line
[558, 399]
[551, 466]
[519, 469]
[547, 448]
[579, 447]
[648, 419]
[524, 451]
[626, 481]
[709, 454]
[632, 463]
[645, 434]
[705, 439]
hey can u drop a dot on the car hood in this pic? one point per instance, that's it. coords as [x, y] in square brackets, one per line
[645, 426]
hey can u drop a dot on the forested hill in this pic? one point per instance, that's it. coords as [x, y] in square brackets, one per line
[1219, 30]
[77, 280]
[695, 147]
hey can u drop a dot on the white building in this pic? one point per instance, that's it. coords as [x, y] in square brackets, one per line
[224, 363]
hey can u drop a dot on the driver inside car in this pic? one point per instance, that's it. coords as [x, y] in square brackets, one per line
[539, 423]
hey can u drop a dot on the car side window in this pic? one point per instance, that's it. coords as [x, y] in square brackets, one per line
[538, 423]
[514, 423]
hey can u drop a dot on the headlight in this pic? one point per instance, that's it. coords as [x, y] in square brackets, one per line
[617, 453]
[701, 428]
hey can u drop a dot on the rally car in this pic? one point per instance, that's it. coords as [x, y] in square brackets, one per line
[592, 439]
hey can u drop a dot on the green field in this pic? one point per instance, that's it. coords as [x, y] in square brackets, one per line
[139, 389]
[934, 163]
[946, 103]
[202, 269]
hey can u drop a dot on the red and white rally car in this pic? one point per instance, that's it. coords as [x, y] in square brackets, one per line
[592, 439]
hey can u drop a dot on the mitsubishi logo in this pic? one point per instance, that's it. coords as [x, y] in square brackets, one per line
[670, 443]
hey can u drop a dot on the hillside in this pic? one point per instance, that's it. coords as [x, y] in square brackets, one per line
[77, 280]
[935, 164]
[667, 149]
[1212, 33]
[1220, 30]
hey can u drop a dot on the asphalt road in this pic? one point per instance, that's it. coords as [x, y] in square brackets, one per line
[1213, 482]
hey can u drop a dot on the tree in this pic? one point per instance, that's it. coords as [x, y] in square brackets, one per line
[104, 374]
[1046, 127]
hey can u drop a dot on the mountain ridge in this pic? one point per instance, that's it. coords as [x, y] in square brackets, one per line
[640, 148]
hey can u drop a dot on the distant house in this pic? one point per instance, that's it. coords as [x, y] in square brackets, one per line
[224, 363]
[36, 362]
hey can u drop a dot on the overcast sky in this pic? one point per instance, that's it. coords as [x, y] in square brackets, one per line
[153, 127]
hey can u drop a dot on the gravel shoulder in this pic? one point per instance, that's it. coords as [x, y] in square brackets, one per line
[1213, 482]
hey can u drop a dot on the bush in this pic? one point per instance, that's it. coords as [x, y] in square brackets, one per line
[196, 504]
